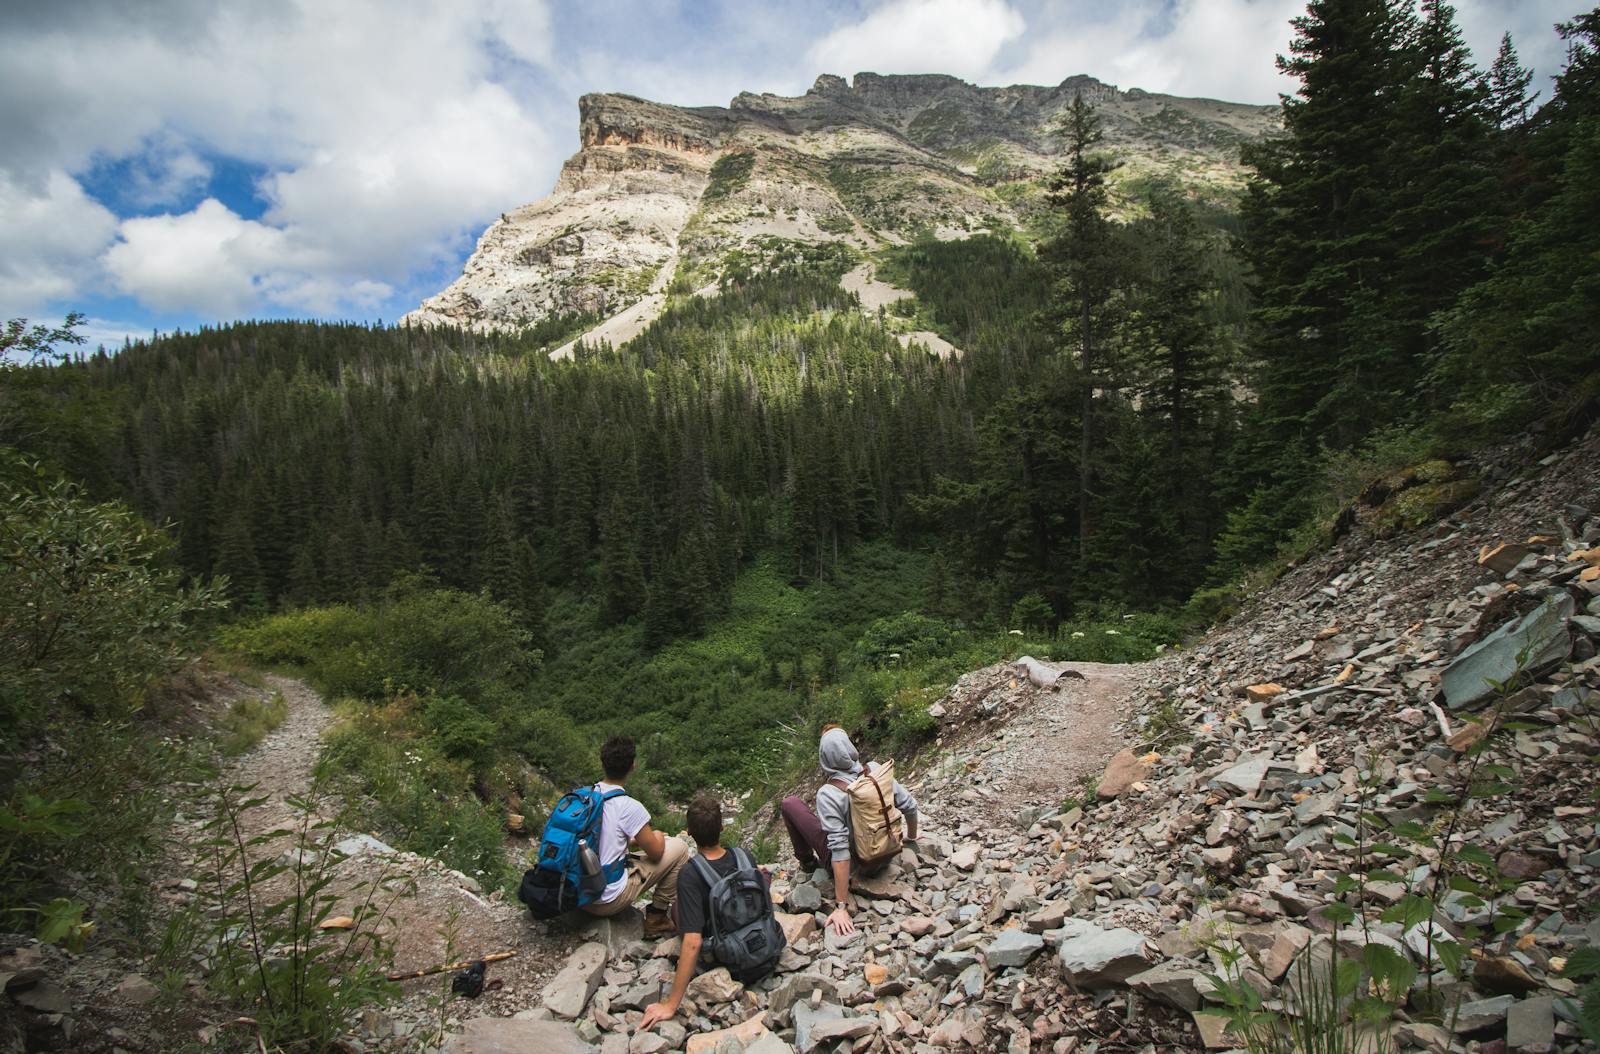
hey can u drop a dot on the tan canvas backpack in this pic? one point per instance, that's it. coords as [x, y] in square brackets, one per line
[877, 829]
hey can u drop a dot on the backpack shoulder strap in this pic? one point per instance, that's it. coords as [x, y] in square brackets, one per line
[707, 872]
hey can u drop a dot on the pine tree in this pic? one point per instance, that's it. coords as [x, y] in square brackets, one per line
[1509, 102]
[1317, 228]
[622, 583]
[1084, 267]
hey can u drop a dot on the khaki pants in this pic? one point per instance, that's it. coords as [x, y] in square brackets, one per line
[660, 877]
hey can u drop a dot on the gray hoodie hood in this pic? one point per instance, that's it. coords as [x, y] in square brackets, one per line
[837, 755]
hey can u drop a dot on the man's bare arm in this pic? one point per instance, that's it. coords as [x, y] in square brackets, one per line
[652, 842]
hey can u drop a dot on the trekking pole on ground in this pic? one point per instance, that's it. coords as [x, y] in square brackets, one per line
[462, 965]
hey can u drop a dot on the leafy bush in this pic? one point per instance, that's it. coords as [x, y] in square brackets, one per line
[460, 731]
[902, 639]
[94, 610]
[404, 784]
[1109, 638]
[417, 637]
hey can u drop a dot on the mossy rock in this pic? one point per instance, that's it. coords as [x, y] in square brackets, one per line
[1383, 488]
[1422, 504]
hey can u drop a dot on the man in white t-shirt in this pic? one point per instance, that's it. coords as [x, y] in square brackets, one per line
[625, 823]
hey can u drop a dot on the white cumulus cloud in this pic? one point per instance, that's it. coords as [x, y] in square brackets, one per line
[959, 37]
[383, 129]
[51, 231]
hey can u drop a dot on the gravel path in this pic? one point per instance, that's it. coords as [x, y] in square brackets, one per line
[280, 765]
[1016, 747]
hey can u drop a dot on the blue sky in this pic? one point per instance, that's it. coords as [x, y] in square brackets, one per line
[181, 162]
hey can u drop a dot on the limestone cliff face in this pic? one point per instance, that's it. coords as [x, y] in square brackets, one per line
[658, 192]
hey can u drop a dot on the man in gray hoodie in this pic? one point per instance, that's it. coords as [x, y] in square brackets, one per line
[825, 834]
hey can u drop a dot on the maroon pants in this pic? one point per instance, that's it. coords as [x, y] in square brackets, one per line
[805, 831]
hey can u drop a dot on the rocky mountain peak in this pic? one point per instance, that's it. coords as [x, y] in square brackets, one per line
[658, 192]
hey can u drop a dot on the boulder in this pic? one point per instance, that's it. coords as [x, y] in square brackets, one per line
[504, 1035]
[1502, 559]
[1542, 633]
[1171, 983]
[1531, 1024]
[616, 932]
[804, 897]
[796, 927]
[824, 1033]
[570, 989]
[1101, 958]
[137, 990]
[714, 986]
[1246, 774]
[744, 1033]
[1012, 948]
[806, 1020]
[1123, 771]
[1483, 1014]
[1261, 693]
[796, 987]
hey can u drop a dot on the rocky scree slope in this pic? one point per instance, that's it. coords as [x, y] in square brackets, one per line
[1024, 922]
[659, 192]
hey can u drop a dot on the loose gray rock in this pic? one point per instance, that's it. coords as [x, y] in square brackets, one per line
[1531, 1023]
[1012, 948]
[504, 1035]
[1102, 958]
[1483, 1014]
[804, 897]
[569, 990]
[1542, 633]
[1169, 982]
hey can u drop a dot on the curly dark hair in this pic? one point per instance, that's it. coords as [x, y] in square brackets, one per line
[616, 757]
[704, 821]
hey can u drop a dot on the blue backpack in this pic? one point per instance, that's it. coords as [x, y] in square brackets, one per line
[560, 881]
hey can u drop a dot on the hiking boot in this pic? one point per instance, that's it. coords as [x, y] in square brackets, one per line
[658, 924]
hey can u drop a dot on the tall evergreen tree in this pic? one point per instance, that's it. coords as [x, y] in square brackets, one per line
[1084, 266]
[1317, 228]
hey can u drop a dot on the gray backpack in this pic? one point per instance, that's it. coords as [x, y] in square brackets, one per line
[743, 935]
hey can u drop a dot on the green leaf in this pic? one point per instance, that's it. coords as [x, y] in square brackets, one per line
[1582, 963]
[1475, 854]
[1338, 913]
[1450, 953]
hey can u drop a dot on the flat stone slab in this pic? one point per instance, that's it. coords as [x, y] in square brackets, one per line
[505, 1035]
[1103, 958]
[1171, 983]
[1246, 774]
[1542, 634]
[569, 990]
[1012, 948]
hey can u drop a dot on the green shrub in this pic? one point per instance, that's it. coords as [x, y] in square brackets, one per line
[417, 637]
[409, 789]
[902, 639]
[459, 730]
[106, 613]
